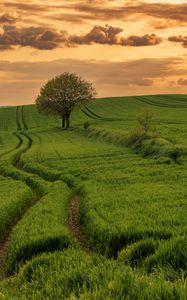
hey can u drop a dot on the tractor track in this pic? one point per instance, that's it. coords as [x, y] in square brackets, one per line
[74, 225]
[92, 115]
[23, 118]
[73, 217]
[36, 196]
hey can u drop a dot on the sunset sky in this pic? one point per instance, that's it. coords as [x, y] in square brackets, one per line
[123, 47]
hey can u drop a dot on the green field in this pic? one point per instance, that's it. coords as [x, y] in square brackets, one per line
[89, 214]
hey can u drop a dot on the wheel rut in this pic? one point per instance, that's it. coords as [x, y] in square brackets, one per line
[16, 162]
[74, 224]
[73, 219]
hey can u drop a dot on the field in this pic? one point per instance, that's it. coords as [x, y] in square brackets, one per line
[94, 213]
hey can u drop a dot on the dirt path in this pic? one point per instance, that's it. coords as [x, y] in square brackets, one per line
[74, 226]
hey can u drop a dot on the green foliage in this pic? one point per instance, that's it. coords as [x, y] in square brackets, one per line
[62, 94]
[86, 125]
[145, 121]
[176, 153]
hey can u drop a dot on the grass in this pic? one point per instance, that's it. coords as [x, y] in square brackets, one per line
[43, 228]
[132, 201]
[74, 275]
[7, 142]
[13, 203]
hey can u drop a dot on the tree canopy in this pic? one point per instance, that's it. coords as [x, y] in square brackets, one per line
[62, 94]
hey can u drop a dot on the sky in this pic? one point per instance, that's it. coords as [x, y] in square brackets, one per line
[123, 47]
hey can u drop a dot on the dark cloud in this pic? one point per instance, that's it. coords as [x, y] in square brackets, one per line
[179, 39]
[48, 39]
[36, 37]
[9, 18]
[98, 34]
[110, 35]
[44, 38]
[145, 40]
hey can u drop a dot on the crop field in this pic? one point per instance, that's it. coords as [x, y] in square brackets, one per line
[93, 213]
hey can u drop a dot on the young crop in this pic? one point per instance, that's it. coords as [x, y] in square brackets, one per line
[12, 204]
[132, 207]
[42, 229]
[72, 274]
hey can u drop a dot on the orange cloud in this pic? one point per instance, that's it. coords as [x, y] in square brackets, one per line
[182, 81]
[179, 39]
[166, 11]
[44, 38]
[9, 18]
[99, 35]
[37, 37]
[145, 40]
[169, 14]
[110, 78]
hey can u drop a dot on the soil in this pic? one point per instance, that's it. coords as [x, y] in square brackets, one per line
[74, 226]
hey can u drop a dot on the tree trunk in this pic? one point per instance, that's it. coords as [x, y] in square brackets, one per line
[67, 122]
[63, 122]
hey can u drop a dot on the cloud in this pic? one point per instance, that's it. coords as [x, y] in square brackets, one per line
[36, 37]
[182, 81]
[98, 34]
[164, 24]
[170, 14]
[109, 78]
[163, 15]
[27, 6]
[9, 18]
[44, 38]
[145, 40]
[179, 39]
[110, 35]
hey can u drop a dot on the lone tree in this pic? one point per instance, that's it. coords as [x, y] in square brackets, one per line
[145, 121]
[62, 94]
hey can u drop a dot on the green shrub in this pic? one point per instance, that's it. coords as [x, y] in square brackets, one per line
[135, 138]
[176, 153]
[145, 121]
[86, 125]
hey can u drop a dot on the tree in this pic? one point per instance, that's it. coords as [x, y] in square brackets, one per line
[145, 121]
[62, 94]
